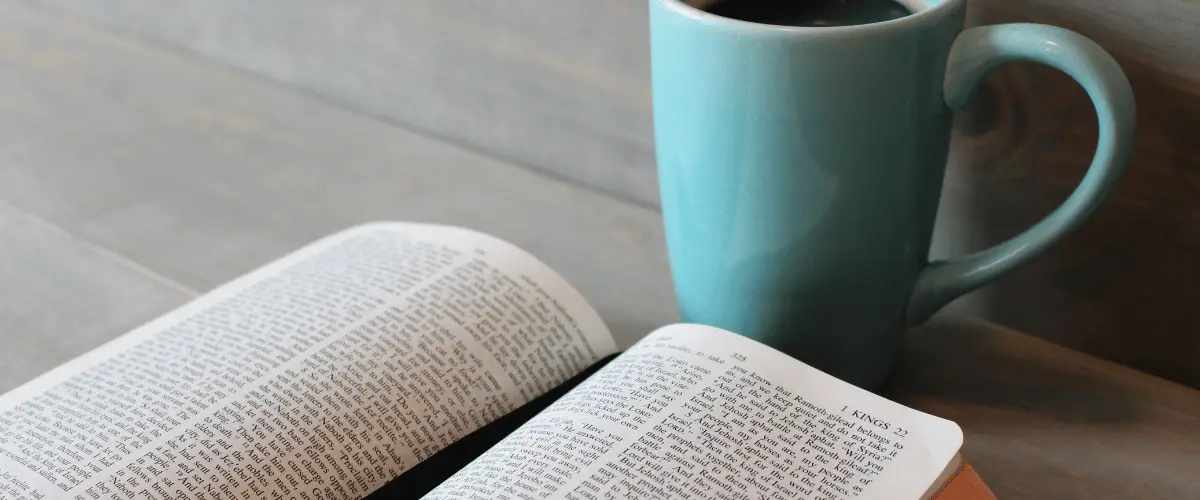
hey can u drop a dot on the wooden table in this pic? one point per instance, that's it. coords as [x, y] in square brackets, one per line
[135, 176]
[1042, 421]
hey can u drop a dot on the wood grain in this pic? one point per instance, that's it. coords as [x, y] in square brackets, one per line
[1121, 287]
[1041, 421]
[201, 174]
[61, 296]
[561, 86]
[1160, 35]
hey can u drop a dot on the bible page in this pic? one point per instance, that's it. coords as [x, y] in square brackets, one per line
[694, 412]
[322, 375]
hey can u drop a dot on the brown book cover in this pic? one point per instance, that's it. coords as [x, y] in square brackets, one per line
[965, 485]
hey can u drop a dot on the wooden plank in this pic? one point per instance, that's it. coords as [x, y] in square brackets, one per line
[61, 296]
[561, 86]
[1159, 35]
[1044, 422]
[201, 173]
[1121, 287]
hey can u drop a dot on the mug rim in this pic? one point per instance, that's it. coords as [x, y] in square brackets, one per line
[913, 20]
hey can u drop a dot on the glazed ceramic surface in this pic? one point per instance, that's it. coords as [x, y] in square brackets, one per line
[801, 168]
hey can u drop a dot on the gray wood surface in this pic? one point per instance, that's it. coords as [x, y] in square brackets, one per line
[1159, 35]
[201, 173]
[1122, 286]
[1040, 421]
[60, 296]
[562, 86]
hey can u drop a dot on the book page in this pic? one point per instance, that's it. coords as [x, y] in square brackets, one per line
[694, 412]
[322, 375]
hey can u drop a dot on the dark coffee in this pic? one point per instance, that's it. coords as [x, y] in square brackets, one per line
[810, 12]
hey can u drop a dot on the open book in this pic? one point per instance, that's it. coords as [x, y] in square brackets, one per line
[332, 371]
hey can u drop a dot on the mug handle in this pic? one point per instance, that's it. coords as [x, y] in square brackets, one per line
[976, 52]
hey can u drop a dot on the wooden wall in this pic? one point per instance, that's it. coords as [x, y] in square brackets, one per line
[559, 85]
[563, 88]
[1127, 285]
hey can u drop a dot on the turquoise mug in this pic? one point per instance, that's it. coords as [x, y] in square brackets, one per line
[800, 170]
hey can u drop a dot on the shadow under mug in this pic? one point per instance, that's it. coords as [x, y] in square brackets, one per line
[800, 170]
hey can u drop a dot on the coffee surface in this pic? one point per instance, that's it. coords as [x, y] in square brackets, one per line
[810, 12]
